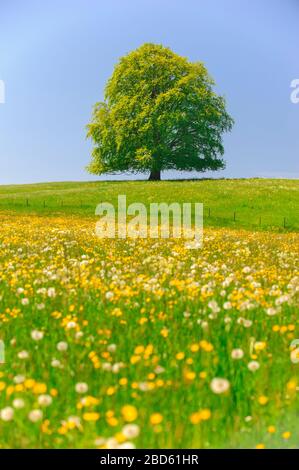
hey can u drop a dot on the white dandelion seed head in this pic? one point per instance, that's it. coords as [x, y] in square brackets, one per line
[99, 441]
[18, 379]
[62, 346]
[81, 387]
[55, 363]
[112, 443]
[219, 385]
[7, 413]
[37, 335]
[23, 355]
[51, 292]
[130, 431]
[18, 403]
[44, 400]
[253, 366]
[35, 415]
[237, 353]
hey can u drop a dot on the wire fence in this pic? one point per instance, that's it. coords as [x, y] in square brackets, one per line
[212, 216]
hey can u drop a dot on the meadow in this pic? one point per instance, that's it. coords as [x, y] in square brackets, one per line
[147, 343]
[254, 204]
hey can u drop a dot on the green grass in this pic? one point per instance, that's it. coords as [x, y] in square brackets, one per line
[147, 323]
[253, 203]
[158, 312]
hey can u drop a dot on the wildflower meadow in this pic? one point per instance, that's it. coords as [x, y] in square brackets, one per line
[146, 342]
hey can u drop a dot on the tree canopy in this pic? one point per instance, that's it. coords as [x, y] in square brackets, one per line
[160, 113]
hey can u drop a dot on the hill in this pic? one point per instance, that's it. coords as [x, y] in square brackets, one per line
[270, 204]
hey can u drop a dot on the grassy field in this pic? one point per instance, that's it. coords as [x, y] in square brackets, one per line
[254, 203]
[146, 343]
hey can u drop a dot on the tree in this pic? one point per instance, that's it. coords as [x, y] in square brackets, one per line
[159, 113]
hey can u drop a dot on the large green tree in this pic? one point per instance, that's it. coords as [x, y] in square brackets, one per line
[159, 113]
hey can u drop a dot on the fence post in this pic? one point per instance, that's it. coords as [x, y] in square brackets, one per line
[234, 217]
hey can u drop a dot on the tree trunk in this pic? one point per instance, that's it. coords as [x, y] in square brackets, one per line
[155, 175]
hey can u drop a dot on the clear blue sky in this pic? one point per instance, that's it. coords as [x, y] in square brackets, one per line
[56, 55]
